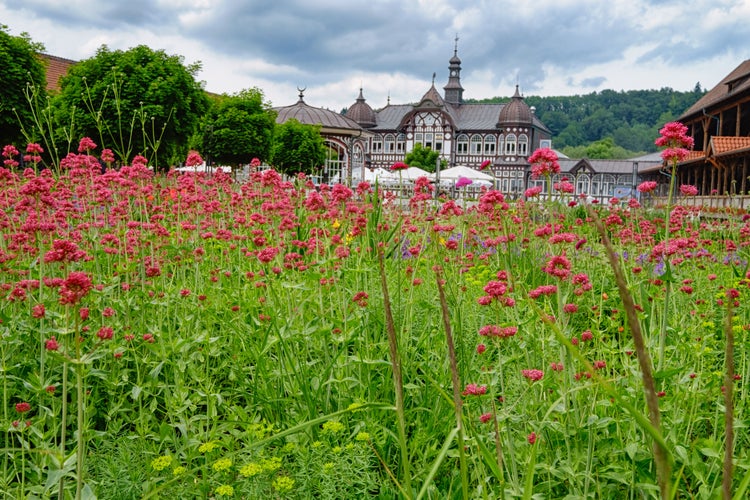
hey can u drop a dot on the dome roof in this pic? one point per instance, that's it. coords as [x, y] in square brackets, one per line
[516, 111]
[309, 115]
[362, 113]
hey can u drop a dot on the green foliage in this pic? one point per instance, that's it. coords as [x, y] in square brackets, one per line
[604, 149]
[298, 148]
[422, 157]
[239, 128]
[138, 101]
[632, 118]
[23, 72]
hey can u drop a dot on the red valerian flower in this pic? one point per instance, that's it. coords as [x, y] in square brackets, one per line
[533, 191]
[23, 407]
[51, 344]
[399, 165]
[647, 186]
[688, 190]
[485, 164]
[544, 162]
[74, 288]
[193, 159]
[463, 181]
[86, 145]
[533, 375]
[532, 438]
[674, 138]
[107, 156]
[474, 390]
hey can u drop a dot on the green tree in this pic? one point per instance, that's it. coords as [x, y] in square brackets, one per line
[298, 148]
[138, 101]
[23, 74]
[239, 128]
[422, 157]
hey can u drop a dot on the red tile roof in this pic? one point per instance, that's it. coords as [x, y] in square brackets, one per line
[57, 67]
[722, 145]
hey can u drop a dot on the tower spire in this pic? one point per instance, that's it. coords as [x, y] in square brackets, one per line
[454, 92]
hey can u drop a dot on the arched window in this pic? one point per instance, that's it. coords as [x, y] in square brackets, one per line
[523, 145]
[389, 143]
[476, 144]
[462, 144]
[400, 143]
[510, 144]
[377, 145]
[489, 144]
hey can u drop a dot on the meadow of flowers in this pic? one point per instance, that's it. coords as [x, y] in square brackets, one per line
[187, 336]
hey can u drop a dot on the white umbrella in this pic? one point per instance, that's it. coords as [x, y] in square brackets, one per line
[412, 173]
[454, 173]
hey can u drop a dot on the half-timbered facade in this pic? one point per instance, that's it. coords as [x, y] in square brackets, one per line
[463, 133]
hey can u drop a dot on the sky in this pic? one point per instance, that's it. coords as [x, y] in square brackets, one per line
[391, 48]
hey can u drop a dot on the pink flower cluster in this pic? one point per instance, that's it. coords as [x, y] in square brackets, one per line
[474, 390]
[497, 331]
[534, 375]
[688, 190]
[544, 162]
[647, 186]
[674, 138]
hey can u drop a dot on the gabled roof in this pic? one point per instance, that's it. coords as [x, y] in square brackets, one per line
[56, 67]
[734, 83]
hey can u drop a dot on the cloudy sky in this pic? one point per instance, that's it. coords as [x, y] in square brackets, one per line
[393, 47]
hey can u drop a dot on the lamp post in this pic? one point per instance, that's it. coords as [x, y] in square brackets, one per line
[635, 179]
[437, 177]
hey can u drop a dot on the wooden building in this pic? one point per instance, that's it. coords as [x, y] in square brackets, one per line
[719, 123]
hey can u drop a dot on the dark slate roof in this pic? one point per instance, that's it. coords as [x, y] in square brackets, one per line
[309, 115]
[467, 117]
[614, 167]
[516, 111]
[734, 83]
[390, 116]
[361, 112]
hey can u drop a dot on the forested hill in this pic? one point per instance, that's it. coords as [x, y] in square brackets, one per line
[624, 122]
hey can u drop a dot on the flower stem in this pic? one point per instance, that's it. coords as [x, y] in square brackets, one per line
[661, 453]
[457, 403]
[397, 377]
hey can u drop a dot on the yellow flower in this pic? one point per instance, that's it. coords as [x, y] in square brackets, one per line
[317, 444]
[333, 426]
[363, 436]
[336, 224]
[224, 490]
[222, 464]
[271, 464]
[178, 470]
[161, 463]
[250, 470]
[336, 449]
[328, 467]
[207, 447]
[283, 484]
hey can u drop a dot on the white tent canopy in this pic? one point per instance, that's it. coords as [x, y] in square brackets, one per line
[453, 173]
